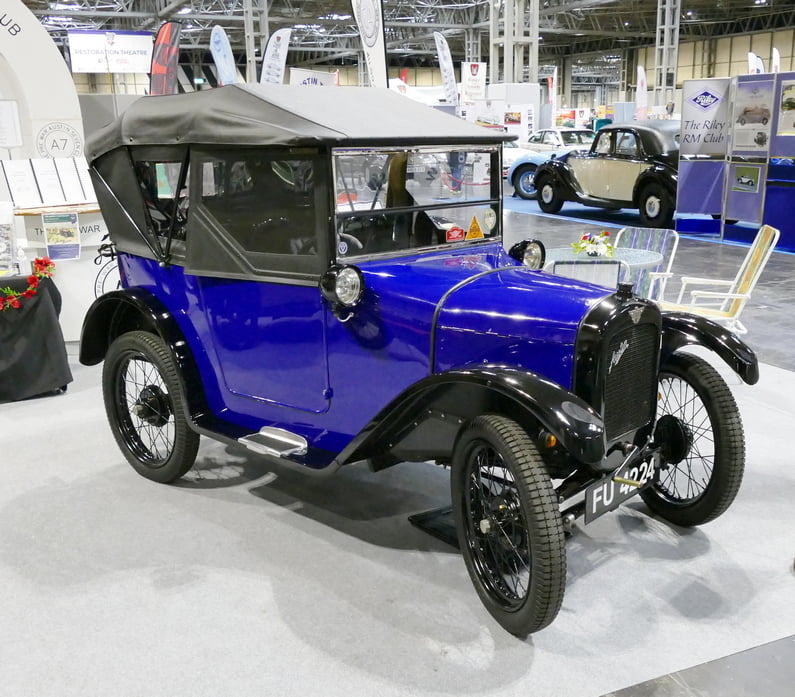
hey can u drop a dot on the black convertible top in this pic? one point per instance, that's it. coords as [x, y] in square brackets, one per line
[251, 114]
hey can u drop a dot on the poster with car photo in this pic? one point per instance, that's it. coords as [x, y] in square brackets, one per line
[753, 115]
[786, 115]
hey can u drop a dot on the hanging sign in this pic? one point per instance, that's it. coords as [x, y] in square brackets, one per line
[473, 81]
[92, 51]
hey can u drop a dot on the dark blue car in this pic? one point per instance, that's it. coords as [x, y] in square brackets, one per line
[317, 275]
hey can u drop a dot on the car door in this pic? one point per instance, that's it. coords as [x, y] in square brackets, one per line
[253, 269]
[587, 166]
[620, 170]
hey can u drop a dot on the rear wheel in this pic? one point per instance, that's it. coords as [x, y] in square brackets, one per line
[508, 524]
[655, 206]
[703, 446]
[548, 200]
[145, 404]
[524, 182]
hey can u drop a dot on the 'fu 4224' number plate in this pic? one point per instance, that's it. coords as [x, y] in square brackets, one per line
[607, 494]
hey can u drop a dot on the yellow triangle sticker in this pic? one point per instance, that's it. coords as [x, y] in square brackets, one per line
[475, 231]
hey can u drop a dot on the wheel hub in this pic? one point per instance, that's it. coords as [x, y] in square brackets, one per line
[152, 406]
[652, 206]
[674, 439]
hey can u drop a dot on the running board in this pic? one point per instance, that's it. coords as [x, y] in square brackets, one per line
[275, 442]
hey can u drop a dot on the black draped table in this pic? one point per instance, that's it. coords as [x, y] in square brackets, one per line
[33, 357]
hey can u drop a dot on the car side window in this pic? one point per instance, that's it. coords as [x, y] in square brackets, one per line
[165, 195]
[535, 138]
[550, 138]
[626, 144]
[603, 143]
[265, 204]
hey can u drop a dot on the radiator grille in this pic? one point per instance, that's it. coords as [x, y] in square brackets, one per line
[630, 375]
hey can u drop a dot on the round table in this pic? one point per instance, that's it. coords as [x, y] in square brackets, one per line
[634, 258]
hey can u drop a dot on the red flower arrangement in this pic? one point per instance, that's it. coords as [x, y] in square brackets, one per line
[42, 268]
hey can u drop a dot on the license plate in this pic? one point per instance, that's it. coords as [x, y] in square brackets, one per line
[607, 494]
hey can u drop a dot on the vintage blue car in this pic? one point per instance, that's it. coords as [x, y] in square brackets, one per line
[318, 276]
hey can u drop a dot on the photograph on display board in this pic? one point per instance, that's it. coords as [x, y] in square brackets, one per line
[753, 115]
[746, 178]
[513, 118]
[62, 235]
[786, 116]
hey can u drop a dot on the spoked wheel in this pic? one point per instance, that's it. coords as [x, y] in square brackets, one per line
[144, 401]
[508, 524]
[703, 446]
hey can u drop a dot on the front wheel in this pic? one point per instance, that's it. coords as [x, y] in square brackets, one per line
[655, 207]
[145, 404]
[548, 200]
[524, 182]
[703, 446]
[508, 524]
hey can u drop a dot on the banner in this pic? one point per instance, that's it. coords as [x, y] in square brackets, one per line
[275, 57]
[370, 19]
[165, 60]
[641, 96]
[703, 146]
[92, 51]
[222, 56]
[473, 81]
[312, 78]
[448, 72]
[775, 63]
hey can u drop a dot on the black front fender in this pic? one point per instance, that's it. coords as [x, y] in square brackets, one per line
[682, 329]
[424, 421]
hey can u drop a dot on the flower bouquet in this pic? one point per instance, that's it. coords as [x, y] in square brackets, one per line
[594, 245]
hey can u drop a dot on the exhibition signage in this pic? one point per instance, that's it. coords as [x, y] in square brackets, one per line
[752, 122]
[92, 51]
[62, 235]
[275, 57]
[703, 145]
[222, 56]
[312, 78]
[370, 19]
[165, 60]
[473, 81]
[446, 67]
[641, 96]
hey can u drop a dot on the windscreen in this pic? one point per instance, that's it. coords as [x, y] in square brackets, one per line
[402, 200]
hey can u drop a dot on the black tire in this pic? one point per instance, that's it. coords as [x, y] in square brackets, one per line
[764, 121]
[548, 199]
[741, 120]
[502, 492]
[523, 182]
[655, 206]
[145, 404]
[703, 444]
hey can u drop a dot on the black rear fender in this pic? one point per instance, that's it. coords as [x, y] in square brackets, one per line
[424, 422]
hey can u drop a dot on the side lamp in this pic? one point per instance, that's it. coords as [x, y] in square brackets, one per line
[531, 253]
[343, 286]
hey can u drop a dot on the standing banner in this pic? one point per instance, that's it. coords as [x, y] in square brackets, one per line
[92, 51]
[222, 56]
[775, 62]
[370, 19]
[448, 72]
[61, 235]
[703, 145]
[275, 57]
[165, 59]
[641, 96]
[473, 81]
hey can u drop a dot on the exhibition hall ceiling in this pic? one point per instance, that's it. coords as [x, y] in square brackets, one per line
[324, 32]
